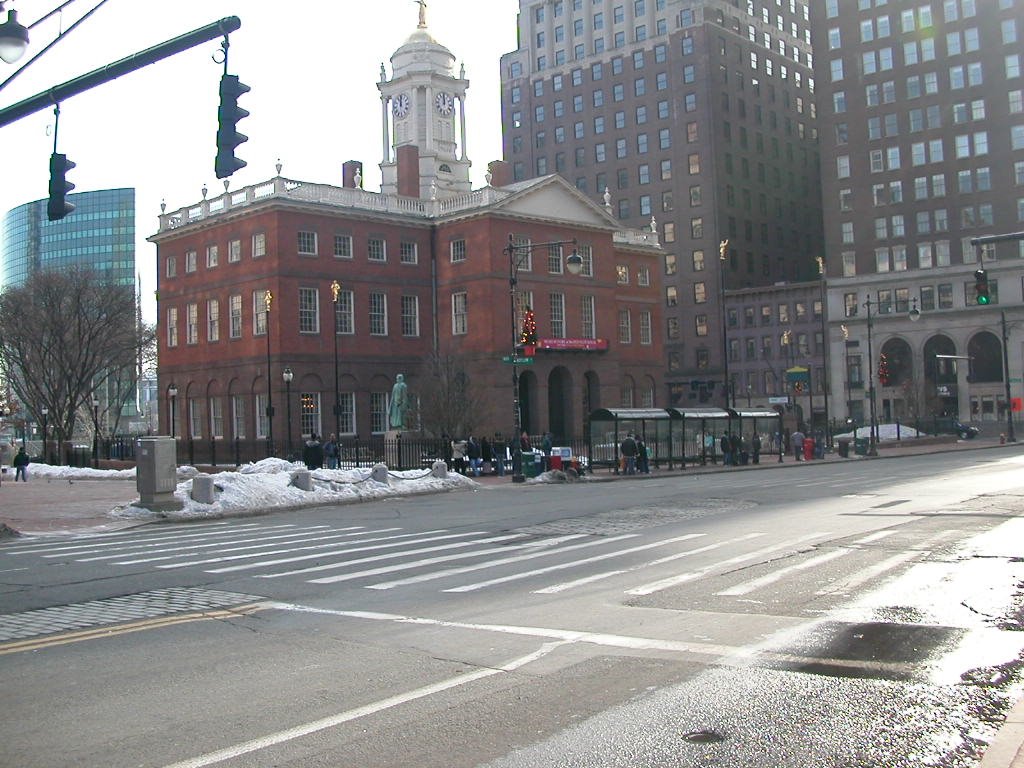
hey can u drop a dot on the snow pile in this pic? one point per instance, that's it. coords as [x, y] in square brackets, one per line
[885, 432]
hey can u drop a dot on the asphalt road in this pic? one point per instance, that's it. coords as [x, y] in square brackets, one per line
[846, 614]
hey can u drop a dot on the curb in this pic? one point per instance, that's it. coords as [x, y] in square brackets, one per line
[1007, 747]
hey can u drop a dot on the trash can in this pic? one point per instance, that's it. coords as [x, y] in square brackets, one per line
[531, 466]
[860, 446]
[843, 446]
[556, 461]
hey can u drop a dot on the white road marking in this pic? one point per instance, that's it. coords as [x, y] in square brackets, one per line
[160, 549]
[682, 578]
[876, 536]
[573, 564]
[556, 588]
[859, 578]
[115, 542]
[754, 584]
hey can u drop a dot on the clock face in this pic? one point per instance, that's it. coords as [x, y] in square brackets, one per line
[445, 103]
[400, 105]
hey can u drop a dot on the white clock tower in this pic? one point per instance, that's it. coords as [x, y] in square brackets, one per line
[421, 106]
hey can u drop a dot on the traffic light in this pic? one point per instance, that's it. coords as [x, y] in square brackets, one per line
[981, 291]
[228, 115]
[57, 207]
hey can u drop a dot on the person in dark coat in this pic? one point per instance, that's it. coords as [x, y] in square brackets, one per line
[20, 464]
[313, 453]
[755, 446]
[628, 450]
[473, 453]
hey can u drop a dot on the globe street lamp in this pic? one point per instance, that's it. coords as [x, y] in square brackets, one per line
[172, 393]
[45, 412]
[517, 255]
[287, 375]
[336, 292]
[95, 432]
[268, 298]
[873, 439]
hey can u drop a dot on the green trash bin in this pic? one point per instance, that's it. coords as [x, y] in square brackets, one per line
[844, 448]
[860, 446]
[531, 465]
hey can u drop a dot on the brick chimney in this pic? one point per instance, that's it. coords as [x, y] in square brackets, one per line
[501, 173]
[407, 157]
[348, 173]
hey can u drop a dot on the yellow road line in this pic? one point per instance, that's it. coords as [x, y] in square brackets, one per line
[112, 630]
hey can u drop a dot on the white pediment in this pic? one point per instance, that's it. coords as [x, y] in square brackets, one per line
[552, 198]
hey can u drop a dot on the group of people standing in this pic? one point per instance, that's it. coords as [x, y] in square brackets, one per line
[316, 453]
[635, 456]
[472, 456]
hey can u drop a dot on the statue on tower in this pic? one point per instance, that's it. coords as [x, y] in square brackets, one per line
[423, 13]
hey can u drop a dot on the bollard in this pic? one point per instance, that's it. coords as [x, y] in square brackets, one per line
[303, 479]
[379, 473]
[439, 470]
[202, 489]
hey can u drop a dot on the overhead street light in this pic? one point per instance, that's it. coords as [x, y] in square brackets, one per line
[13, 38]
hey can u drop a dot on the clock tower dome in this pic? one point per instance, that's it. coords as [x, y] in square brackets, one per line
[423, 106]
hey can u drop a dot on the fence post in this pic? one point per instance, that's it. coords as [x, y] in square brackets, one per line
[398, 440]
[192, 451]
[238, 455]
[213, 451]
[357, 451]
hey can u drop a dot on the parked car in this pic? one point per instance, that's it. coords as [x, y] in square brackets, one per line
[953, 426]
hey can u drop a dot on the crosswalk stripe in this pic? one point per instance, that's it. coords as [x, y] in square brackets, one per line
[375, 558]
[113, 542]
[855, 580]
[501, 561]
[565, 586]
[573, 564]
[749, 586]
[682, 578]
[158, 549]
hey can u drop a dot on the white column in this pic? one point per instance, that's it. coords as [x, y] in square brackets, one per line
[462, 122]
[384, 128]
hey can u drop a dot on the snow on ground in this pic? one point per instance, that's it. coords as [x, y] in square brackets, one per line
[885, 432]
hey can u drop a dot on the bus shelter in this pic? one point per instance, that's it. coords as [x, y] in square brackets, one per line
[766, 423]
[609, 427]
[696, 432]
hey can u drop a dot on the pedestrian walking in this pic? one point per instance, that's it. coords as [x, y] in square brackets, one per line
[20, 464]
[331, 452]
[628, 450]
[726, 445]
[313, 453]
[797, 441]
[755, 447]
[643, 464]
[459, 456]
[473, 452]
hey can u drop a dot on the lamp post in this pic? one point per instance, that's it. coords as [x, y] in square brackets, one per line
[516, 254]
[336, 292]
[45, 412]
[95, 432]
[723, 248]
[172, 394]
[1010, 436]
[287, 375]
[873, 432]
[13, 38]
[268, 299]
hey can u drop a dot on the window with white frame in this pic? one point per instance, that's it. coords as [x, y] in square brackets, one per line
[234, 251]
[172, 326]
[262, 423]
[646, 332]
[235, 308]
[343, 246]
[376, 249]
[643, 276]
[378, 412]
[259, 313]
[557, 317]
[212, 256]
[407, 252]
[588, 316]
[238, 416]
[172, 266]
[460, 313]
[195, 418]
[522, 253]
[344, 314]
[307, 243]
[586, 254]
[555, 259]
[190, 261]
[192, 323]
[259, 245]
[410, 316]
[309, 310]
[625, 327]
[216, 418]
[378, 313]
[458, 250]
[212, 320]
[309, 407]
[347, 419]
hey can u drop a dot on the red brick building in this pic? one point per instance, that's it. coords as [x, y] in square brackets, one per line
[423, 272]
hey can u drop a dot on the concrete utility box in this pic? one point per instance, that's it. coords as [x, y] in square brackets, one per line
[156, 473]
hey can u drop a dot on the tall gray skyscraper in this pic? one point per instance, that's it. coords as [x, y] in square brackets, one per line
[697, 118]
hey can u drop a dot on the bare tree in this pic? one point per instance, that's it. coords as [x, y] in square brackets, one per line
[449, 404]
[62, 334]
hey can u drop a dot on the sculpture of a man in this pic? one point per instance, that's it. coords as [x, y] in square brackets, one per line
[399, 403]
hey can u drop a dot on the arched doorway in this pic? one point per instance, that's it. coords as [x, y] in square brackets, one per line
[560, 410]
[986, 353]
[896, 381]
[940, 387]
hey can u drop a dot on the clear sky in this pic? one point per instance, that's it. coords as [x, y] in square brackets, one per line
[312, 65]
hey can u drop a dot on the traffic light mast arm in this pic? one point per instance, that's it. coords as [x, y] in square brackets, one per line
[113, 71]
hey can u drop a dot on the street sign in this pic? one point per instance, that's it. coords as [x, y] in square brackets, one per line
[513, 360]
[778, 400]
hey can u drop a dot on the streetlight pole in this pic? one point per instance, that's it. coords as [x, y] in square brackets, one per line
[336, 292]
[1010, 436]
[516, 254]
[268, 299]
[723, 248]
[873, 439]
[45, 412]
[172, 394]
[287, 375]
[95, 432]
